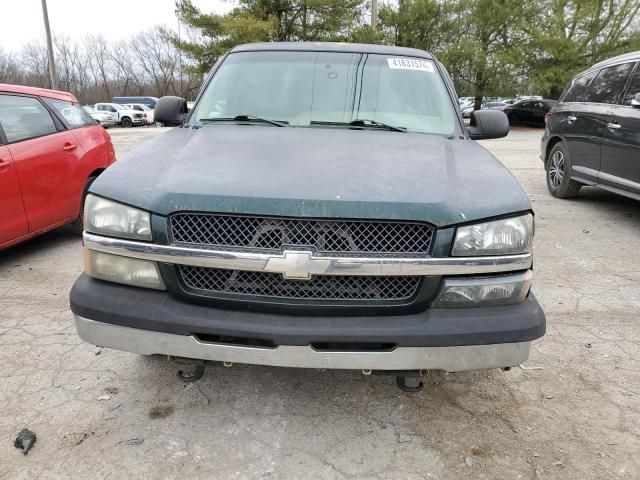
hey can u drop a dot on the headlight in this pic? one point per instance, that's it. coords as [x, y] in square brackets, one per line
[500, 237]
[115, 219]
[483, 291]
[130, 271]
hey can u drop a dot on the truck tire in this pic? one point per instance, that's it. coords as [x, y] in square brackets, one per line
[559, 180]
[126, 122]
[77, 226]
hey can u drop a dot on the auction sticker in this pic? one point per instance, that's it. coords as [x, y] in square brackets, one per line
[411, 64]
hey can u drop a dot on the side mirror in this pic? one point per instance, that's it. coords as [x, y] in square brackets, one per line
[635, 101]
[487, 124]
[171, 111]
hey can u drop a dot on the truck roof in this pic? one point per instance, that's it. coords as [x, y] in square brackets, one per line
[332, 47]
[41, 92]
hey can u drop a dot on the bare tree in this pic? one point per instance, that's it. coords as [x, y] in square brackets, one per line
[66, 63]
[94, 69]
[34, 59]
[158, 60]
[126, 78]
[84, 80]
[98, 48]
[10, 70]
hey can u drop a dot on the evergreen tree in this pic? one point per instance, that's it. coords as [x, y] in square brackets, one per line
[490, 47]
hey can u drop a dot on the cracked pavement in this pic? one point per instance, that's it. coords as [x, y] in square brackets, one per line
[101, 413]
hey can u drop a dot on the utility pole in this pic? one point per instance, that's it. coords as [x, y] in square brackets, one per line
[178, 12]
[374, 14]
[52, 68]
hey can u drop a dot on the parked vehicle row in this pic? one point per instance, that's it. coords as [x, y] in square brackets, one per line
[468, 110]
[508, 100]
[128, 114]
[51, 150]
[526, 110]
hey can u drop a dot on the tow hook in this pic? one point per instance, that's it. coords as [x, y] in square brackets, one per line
[401, 378]
[189, 369]
[401, 382]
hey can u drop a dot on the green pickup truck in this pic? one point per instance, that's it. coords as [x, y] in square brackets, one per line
[321, 206]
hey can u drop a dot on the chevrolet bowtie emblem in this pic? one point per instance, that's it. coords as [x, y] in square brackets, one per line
[297, 265]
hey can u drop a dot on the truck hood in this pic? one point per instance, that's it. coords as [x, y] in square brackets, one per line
[314, 172]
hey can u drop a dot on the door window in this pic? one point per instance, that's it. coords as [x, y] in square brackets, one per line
[23, 118]
[578, 90]
[634, 87]
[74, 116]
[608, 85]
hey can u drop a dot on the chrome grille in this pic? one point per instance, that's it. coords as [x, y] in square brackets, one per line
[323, 236]
[214, 281]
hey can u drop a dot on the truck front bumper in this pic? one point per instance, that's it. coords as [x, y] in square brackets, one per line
[153, 322]
[451, 359]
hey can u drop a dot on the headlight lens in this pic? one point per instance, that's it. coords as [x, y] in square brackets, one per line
[115, 219]
[130, 271]
[484, 291]
[500, 237]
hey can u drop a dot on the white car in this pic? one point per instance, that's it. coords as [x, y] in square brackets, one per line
[466, 112]
[146, 111]
[105, 119]
[124, 116]
[466, 105]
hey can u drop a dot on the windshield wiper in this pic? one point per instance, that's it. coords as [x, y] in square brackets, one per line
[245, 118]
[364, 122]
[361, 122]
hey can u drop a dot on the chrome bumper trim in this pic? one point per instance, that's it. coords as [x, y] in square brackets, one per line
[450, 359]
[311, 263]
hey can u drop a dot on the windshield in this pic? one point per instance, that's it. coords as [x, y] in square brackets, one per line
[311, 88]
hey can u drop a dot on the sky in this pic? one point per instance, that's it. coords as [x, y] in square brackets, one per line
[21, 20]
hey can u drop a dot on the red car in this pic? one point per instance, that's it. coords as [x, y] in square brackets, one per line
[50, 152]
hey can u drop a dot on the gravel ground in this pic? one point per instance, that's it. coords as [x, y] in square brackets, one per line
[108, 414]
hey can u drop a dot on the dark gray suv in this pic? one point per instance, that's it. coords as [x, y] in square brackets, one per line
[592, 135]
